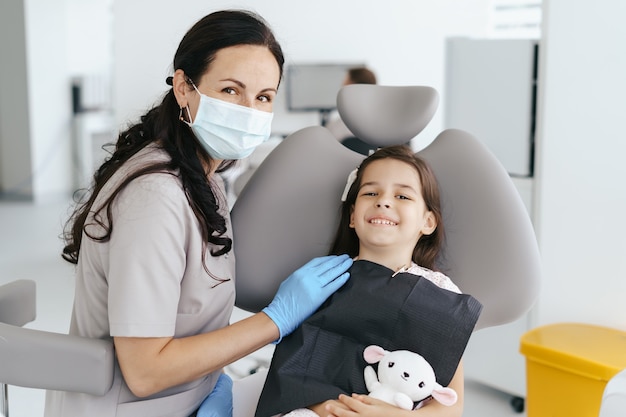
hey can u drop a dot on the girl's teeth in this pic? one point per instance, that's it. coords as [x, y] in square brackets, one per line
[380, 221]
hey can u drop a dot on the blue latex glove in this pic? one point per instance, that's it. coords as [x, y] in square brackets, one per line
[305, 290]
[219, 403]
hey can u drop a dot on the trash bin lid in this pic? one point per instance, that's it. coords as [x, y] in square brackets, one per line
[592, 351]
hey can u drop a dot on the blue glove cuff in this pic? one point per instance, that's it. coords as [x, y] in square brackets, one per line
[267, 310]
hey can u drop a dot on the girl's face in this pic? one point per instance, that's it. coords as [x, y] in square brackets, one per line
[247, 75]
[390, 214]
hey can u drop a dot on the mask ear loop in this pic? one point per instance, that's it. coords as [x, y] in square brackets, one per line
[180, 114]
[182, 118]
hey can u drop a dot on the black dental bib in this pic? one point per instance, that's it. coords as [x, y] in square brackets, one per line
[324, 356]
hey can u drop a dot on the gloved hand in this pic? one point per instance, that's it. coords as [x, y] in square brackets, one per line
[305, 290]
[219, 403]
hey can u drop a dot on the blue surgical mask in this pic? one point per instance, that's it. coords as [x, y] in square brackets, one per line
[227, 130]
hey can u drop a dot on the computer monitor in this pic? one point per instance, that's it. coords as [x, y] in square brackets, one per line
[314, 87]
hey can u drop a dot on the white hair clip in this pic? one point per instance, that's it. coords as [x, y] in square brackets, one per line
[351, 179]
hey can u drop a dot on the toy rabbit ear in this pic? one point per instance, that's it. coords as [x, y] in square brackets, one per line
[446, 396]
[373, 354]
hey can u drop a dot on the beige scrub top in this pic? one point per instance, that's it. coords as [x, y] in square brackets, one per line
[148, 280]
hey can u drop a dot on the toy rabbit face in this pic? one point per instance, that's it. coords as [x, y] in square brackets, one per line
[407, 372]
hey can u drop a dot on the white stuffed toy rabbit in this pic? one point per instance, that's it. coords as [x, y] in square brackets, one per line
[404, 378]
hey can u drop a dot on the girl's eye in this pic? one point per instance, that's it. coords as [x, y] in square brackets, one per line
[229, 90]
[369, 193]
[403, 197]
[265, 99]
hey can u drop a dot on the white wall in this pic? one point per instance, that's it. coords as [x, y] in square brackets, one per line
[401, 40]
[581, 175]
[48, 99]
[35, 140]
[89, 40]
[43, 44]
[15, 148]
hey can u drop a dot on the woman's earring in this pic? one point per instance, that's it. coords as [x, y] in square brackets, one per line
[181, 115]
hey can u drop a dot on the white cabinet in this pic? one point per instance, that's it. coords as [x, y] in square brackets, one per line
[490, 91]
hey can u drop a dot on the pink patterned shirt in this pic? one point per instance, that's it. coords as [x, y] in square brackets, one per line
[437, 278]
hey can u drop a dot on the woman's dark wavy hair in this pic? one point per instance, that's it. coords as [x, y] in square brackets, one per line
[428, 246]
[161, 125]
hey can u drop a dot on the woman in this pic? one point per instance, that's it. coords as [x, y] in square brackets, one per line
[152, 244]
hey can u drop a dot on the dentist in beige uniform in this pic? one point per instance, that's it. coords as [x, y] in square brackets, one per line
[152, 244]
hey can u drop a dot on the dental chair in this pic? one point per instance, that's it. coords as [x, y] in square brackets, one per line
[288, 211]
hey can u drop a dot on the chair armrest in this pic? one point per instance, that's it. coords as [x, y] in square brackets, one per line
[44, 360]
[18, 302]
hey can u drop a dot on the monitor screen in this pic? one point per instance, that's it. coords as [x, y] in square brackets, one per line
[314, 87]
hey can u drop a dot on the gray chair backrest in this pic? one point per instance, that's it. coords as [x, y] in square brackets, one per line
[289, 210]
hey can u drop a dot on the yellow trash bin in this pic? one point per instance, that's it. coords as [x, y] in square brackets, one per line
[568, 366]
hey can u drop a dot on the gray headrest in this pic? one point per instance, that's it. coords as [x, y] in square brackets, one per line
[386, 115]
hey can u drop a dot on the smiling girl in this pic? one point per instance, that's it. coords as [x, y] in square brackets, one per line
[391, 224]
